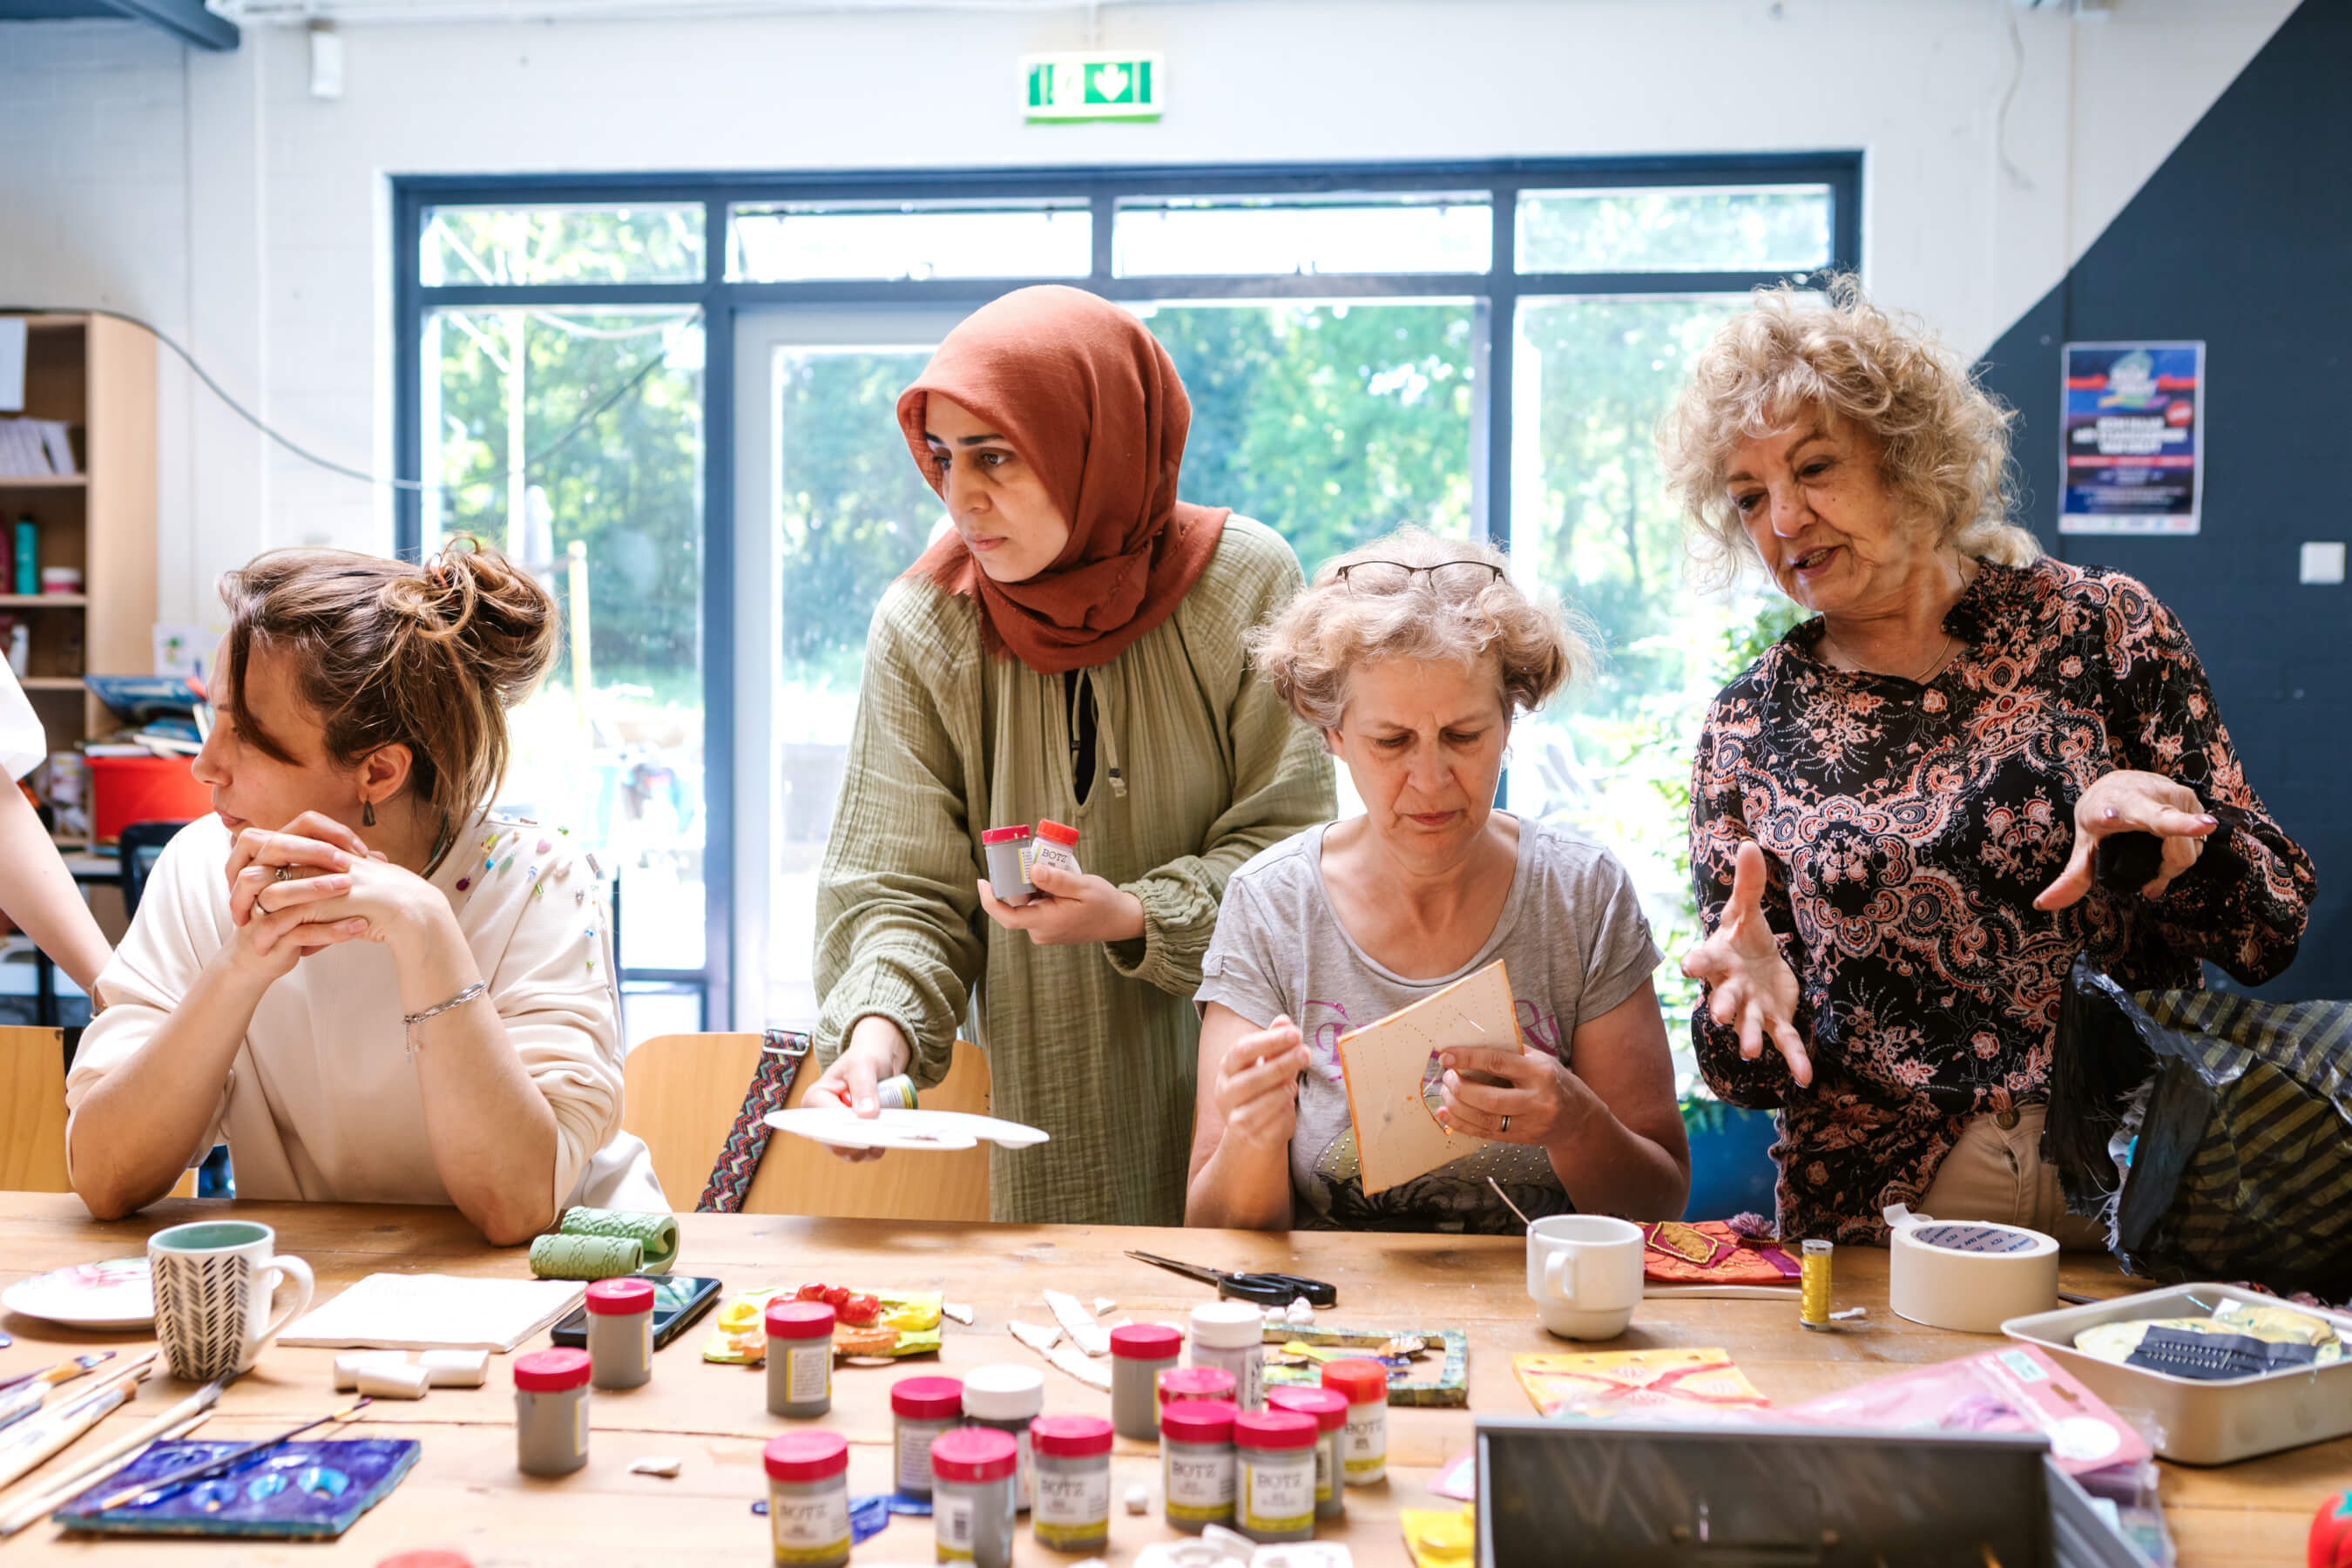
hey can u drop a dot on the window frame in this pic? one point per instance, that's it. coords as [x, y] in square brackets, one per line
[1495, 294]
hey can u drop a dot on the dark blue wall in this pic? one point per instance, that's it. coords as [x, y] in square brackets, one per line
[2244, 238]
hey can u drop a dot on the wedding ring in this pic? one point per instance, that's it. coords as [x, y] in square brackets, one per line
[1507, 1124]
[285, 874]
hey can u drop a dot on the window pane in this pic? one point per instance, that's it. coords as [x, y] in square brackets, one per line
[792, 243]
[1331, 424]
[1685, 229]
[1590, 521]
[605, 499]
[1184, 236]
[563, 244]
[852, 513]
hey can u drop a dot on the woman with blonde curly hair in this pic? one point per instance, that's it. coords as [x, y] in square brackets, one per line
[367, 984]
[1412, 657]
[1896, 812]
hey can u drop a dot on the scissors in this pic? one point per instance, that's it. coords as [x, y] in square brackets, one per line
[1265, 1289]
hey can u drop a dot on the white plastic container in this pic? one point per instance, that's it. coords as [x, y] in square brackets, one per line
[2217, 1421]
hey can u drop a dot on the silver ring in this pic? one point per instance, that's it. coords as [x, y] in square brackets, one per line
[285, 874]
[1507, 1124]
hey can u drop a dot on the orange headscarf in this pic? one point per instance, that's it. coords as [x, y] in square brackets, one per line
[1090, 399]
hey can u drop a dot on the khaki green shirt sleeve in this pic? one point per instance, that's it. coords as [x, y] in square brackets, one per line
[896, 902]
[1282, 776]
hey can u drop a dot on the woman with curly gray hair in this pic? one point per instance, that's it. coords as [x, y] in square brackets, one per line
[1412, 657]
[1896, 811]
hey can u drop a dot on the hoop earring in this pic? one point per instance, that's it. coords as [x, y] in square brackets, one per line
[367, 814]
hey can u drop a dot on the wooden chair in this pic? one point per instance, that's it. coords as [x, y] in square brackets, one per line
[684, 1091]
[33, 1113]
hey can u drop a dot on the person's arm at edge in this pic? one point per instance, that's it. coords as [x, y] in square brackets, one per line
[1630, 1156]
[41, 896]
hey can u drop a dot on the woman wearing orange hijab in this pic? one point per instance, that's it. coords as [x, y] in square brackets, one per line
[1072, 650]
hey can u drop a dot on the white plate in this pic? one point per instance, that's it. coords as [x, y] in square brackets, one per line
[113, 1294]
[897, 1129]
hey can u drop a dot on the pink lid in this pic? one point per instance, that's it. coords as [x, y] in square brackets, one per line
[971, 1453]
[799, 1320]
[806, 1456]
[1146, 1342]
[1329, 1406]
[1003, 834]
[1059, 832]
[619, 1297]
[1364, 1382]
[928, 1398]
[1070, 1437]
[1197, 1421]
[1196, 1382]
[1275, 1429]
[550, 1372]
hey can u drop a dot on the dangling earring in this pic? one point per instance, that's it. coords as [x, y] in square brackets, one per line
[367, 814]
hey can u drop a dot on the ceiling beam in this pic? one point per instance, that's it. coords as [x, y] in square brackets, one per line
[186, 20]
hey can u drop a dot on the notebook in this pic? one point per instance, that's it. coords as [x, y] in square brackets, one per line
[437, 1312]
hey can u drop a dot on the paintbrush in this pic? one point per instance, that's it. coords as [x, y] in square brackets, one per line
[60, 1490]
[56, 1429]
[22, 1378]
[1507, 1200]
[205, 1469]
[27, 1400]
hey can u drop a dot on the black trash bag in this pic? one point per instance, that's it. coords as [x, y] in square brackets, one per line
[2212, 1132]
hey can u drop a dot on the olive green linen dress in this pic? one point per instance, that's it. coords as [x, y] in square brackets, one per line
[1198, 766]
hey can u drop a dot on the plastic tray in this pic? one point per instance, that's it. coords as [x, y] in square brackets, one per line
[2205, 1423]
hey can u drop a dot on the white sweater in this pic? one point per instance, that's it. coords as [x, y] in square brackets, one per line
[322, 1102]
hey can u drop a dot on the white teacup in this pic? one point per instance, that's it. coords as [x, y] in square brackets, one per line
[1584, 1271]
[214, 1281]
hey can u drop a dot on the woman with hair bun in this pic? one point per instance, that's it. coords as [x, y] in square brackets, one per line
[368, 985]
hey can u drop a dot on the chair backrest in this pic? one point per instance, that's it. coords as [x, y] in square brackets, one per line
[33, 1114]
[141, 845]
[684, 1091]
[32, 1111]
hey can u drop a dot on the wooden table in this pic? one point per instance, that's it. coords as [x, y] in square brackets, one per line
[465, 1492]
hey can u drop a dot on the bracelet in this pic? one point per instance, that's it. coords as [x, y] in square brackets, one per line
[408, 1021]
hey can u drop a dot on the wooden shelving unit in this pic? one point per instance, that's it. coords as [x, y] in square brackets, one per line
[98, 376]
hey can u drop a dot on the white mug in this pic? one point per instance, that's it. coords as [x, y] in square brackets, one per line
[1584, 1271]
[214, 1282]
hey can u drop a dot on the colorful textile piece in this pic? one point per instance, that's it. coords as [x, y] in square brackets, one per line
[781, 1055]
[1683, 1383]
[1711, 1253]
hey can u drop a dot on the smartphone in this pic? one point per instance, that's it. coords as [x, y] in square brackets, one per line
[678, 1300]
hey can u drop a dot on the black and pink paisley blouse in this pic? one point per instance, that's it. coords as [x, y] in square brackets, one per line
[1909, 827]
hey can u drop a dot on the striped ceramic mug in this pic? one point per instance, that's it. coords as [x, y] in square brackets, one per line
[215, 1281]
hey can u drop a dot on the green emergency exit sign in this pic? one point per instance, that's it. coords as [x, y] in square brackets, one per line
[1093, 87]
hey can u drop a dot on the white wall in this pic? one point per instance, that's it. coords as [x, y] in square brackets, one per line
[213, 196]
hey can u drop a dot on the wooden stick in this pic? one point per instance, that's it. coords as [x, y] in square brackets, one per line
[205, 1468]
[46, 1435]
[79, 1475]
[127, 1452]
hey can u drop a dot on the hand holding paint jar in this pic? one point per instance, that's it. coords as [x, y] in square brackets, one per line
[1036, 886]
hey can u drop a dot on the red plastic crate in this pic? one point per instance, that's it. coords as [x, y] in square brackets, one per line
[124, 790]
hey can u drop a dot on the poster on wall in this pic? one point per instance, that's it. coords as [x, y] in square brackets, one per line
[2134, 454]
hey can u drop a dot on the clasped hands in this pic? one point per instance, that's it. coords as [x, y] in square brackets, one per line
[1752, 989]
[313, 884]
[1511, 1097]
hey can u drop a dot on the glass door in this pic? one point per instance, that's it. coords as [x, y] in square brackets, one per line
[829, 509]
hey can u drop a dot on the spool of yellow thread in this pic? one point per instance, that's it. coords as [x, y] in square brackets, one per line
[1813, 1284]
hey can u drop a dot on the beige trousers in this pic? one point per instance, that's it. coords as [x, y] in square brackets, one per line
[1996, 1172]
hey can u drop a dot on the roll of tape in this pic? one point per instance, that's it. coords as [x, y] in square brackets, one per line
[1968, 1275]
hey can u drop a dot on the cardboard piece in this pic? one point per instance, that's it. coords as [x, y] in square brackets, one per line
[1397, 1136]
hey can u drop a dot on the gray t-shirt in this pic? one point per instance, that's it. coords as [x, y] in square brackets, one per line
[1573, 937]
